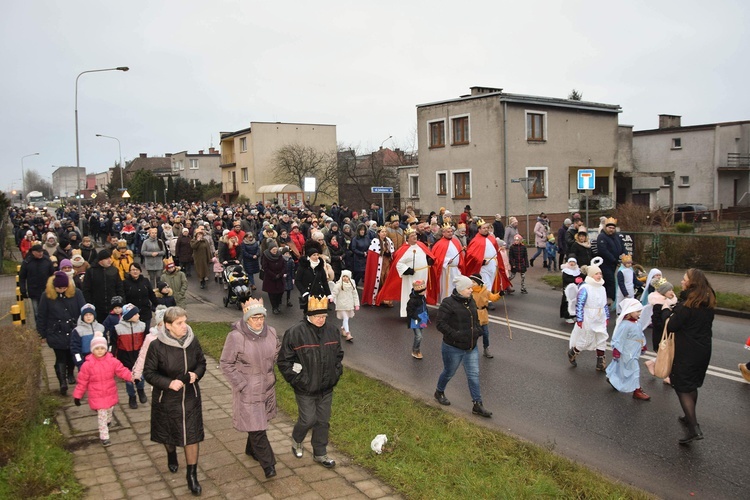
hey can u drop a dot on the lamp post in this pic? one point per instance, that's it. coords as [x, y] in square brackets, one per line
[122, 184]
[387, 139]
[23, 174]
[78, 158]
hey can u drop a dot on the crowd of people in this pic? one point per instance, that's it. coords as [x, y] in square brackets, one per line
[115, 276]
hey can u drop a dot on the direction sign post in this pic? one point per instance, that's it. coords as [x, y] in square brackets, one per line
[382, 190]
[586, 182]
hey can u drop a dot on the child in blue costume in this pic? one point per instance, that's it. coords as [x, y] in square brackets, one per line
[416, 313]
[628, 342]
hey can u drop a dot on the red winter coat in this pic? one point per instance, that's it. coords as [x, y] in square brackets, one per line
[97, 375]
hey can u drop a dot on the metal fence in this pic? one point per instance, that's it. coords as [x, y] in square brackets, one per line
[730, 254]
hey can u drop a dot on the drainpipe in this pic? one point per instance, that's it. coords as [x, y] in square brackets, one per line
[505, 159]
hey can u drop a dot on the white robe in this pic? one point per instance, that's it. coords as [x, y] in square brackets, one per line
[489, 270]
[415, 258]
[594, 333]
[450, 269]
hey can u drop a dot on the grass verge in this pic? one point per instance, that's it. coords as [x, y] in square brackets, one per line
[432, 453]
[553, 280]
[42, 468]
[9, 267]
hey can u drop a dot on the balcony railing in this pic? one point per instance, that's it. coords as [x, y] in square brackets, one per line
[738, 160]
[227, 158]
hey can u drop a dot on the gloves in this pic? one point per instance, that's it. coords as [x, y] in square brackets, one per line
[136, 381]
[430, 261]
[644, 349]
[615, 354]
[77, 401]
[580, 324]
[409, 272]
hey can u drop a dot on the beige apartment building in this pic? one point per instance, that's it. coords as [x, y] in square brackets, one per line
[247, 159]
[200, 167]
[488, 148]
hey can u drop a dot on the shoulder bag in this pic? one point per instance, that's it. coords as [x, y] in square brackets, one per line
[665, 354]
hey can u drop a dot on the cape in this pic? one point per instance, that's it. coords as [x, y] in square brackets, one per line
[475, 257]
[440, 248]
[391, 290]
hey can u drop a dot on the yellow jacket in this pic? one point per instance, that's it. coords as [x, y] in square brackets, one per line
[482, 297]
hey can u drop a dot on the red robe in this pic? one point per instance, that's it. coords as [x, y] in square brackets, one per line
[475, 257]
[440, 248]
[391, 290]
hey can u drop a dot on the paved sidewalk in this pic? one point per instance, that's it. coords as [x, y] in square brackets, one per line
[135, 467]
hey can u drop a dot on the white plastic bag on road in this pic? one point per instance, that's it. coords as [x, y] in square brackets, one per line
[378, 442]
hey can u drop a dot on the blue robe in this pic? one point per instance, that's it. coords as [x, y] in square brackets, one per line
[624, 373]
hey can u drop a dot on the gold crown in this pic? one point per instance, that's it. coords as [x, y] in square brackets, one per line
[409, 230]
[380, 228]
[448, 225]
[394, 218]
[250, 303]
[610, 220]
[317, 304]
[480, 222]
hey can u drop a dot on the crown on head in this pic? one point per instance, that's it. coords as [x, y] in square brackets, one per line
[480, 222]
[409, 230]
[317, 303]
[448, 225]
[610, 221]
[380, 228]
[394, 218]
[251, 303]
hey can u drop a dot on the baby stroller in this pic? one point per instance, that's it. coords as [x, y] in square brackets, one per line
[237, 281]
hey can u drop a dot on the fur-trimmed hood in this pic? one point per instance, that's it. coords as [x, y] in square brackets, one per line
[52, 294]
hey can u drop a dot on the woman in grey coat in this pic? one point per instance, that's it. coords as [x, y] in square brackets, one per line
[247, 361]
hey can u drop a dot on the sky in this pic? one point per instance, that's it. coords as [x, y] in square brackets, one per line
[198, 68]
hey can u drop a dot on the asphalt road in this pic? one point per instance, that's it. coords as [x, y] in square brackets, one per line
[535, 394]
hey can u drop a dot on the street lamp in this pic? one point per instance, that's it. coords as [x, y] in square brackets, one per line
[388, 139]
[23, 174]
[78, 159]
[122, 184]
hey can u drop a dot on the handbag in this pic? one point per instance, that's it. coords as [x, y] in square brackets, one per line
[261, 273]
[665, 354]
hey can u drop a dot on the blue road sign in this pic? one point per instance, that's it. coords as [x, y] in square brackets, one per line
[381, 190]
[586, 179]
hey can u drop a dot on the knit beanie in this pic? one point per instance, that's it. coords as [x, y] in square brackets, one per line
[116, 301]
[128, 311]
[253, 307]
[312, 246]
[65, 263]
[103, 254]
[476, 278]
[98, 341]
[462, 283]
[664, 287]
[88, 309]
[60, 280]
[159, 314]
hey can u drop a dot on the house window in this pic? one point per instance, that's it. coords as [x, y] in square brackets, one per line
[437, 134]
[243, 144]
[684, 180]
[194, 164]
[462, 185]
[460, 130]
[442, 184]
[666, 181]
[536, 126]
[244, 175]
[677, 143]
[175, 166]
[181, 165]
[414, 185]
[537, 184]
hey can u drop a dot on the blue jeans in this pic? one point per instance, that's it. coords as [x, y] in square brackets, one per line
[131, 390]
[452, 357]
[486, 336]
[417, 339]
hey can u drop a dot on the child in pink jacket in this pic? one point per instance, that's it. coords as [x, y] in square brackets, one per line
[97, 375]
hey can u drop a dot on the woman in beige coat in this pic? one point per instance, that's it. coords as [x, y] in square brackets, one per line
[247, 361]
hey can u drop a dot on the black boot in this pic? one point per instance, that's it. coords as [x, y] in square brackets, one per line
[600, 364]
[531, 262]
[71, 378]
[172, 462]
[142, 396]
[60, 372]
[479, 409]
[693, 434]
[192, 480]
[132, 403]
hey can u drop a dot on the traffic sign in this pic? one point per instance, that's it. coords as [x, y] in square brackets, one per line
[93, 196]
[586, 179]
[381, 190]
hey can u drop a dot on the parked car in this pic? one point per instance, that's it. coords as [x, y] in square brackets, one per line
[692, 212]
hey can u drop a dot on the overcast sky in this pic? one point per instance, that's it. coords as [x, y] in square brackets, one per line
[199, 67]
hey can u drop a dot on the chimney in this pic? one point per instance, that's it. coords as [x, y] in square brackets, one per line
[167, 155]
[483, 90]
[669, 121]
[143, 155]
[200, 151]
[212, 150]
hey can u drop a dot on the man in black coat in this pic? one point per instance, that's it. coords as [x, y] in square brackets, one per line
[310, 360]
[609, 247]
[100, 283]
[458, 321]
[35, 269]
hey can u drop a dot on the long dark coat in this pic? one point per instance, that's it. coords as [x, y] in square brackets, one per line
[201, 257]
[273, 273]
[58, 315]
[250, 250]
[692, 346]
[182, 249]
[247, 362]
[140, 294]
[176, 416]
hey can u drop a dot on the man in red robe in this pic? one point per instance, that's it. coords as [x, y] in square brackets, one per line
[449, 263]
[412, 261]
[482, 259]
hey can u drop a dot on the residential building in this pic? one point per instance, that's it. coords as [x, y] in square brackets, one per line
[705, 164]
[197, 167]
[103, 179]
[515, 154]
[65, 180]
[247, 159]
[158, 165]
[359, 173]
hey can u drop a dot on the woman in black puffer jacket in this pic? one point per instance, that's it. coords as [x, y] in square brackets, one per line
[138, 292]
[174, 365]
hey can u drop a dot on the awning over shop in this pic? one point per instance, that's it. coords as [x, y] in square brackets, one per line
[279, 188]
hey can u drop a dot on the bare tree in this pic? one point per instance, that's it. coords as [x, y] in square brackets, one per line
[294, 162]
[575, 95]
[35, 182]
